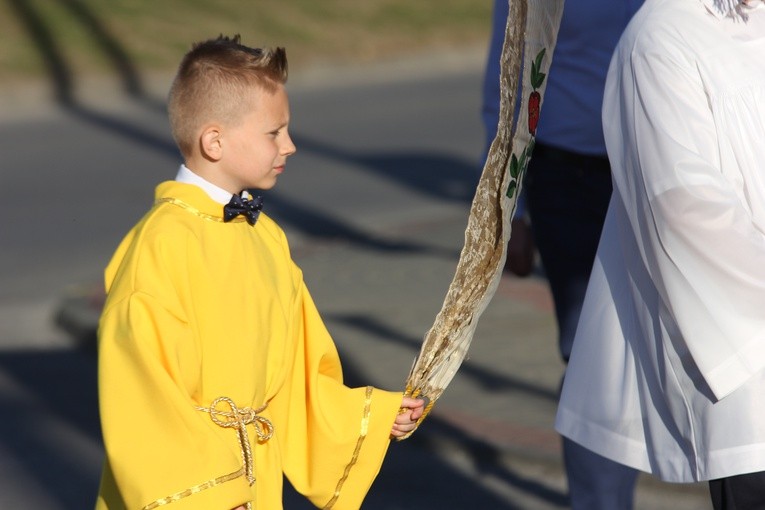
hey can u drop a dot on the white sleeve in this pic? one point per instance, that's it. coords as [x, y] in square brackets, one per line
[697, 238]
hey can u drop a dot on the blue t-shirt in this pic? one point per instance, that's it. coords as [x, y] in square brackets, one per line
[570, 117]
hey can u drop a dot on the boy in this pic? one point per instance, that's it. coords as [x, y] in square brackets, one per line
[217, 374]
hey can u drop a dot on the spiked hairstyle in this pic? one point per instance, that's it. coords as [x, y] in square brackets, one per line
[215, 80]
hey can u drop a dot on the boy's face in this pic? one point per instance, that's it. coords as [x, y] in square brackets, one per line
[256, 148]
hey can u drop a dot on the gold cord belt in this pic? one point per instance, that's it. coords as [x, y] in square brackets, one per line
[234, 418]
[239, 419]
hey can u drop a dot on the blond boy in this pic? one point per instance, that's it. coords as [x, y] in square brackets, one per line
[216, 374]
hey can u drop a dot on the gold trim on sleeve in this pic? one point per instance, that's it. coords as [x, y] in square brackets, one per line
[355, 457]
[193, 490]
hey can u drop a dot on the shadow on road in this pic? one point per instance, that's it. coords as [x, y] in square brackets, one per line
[487, 379]
[430, 174]
[50, 429]
[49, 408]
[59, 70]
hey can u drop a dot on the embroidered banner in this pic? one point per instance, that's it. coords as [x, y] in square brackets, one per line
[530, 35]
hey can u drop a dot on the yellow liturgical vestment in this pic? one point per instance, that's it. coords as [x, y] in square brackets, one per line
[217, 374]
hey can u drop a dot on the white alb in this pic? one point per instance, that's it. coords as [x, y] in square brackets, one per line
[667, 373]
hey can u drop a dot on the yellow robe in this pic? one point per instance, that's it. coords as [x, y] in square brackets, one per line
[199, 309]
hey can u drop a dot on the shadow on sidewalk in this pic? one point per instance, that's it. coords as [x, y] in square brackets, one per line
[50, 429]
[489, 380]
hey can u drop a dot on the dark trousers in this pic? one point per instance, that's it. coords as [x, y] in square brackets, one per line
[567, 196]
[741, 492]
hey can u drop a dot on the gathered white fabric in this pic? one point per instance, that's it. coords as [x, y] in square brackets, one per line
[666, 373]
[735, 9]
[726, 7]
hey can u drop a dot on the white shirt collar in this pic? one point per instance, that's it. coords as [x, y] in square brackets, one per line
[187, 176]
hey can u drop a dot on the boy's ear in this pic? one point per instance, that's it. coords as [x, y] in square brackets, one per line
[210, 142]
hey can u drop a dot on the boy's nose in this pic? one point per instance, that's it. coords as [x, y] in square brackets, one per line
[289, 147]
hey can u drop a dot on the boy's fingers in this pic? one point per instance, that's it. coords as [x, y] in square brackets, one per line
[411, 411]
[405, 417]
[396, 432]
[413, 403]
[410, 403]
[403, 427]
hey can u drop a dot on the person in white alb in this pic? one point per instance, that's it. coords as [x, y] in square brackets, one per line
[667, 372]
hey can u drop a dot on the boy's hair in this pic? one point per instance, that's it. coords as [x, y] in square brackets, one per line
[215, 80]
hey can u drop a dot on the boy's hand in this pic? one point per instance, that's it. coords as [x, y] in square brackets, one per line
[411, 411]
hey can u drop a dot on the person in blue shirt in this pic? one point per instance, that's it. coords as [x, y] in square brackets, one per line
[565, 197]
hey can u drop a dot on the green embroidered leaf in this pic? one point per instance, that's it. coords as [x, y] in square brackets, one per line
[537, 80]
[511, 188]
[514, 167]
[537, 77]
[540, 56]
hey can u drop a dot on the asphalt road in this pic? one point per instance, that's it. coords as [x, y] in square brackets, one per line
[73, 179]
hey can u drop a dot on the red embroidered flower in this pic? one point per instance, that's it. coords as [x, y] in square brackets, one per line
[535, 98]
[534, 101]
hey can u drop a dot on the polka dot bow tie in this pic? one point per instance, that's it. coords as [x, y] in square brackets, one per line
[249, 208]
